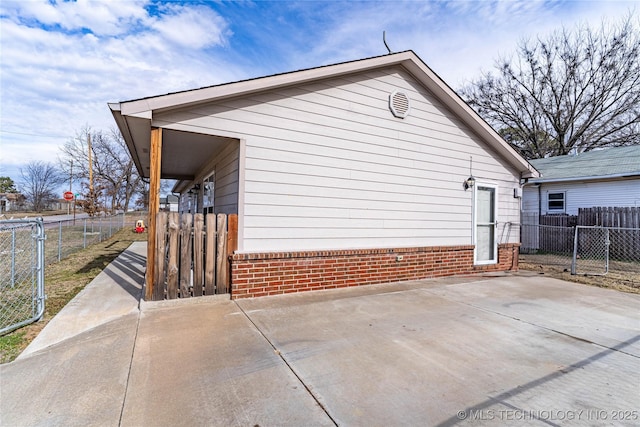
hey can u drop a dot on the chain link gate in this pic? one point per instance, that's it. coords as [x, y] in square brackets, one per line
[21, 273]
[591, 251]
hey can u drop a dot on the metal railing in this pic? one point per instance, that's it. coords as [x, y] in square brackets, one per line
[21, 272]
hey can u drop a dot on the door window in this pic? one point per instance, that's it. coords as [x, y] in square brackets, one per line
[485, 227]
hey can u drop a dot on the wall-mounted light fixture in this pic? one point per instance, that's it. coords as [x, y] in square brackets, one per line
[469, 183]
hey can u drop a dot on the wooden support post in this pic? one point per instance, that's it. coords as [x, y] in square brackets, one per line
[154, 207]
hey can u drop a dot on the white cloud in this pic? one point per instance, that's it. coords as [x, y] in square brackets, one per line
[194, 27]
[61, 62]
[99, 17]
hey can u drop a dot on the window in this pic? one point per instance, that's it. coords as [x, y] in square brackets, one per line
[556, 202]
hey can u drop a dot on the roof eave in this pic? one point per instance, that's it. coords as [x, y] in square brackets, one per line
[146, 107]
[116, 111]
[246, 87]
[543, 180]
[445, 93]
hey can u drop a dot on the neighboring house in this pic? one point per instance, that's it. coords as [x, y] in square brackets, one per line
[341, 175]
[11, 202]
[169, 203]
[607, 178]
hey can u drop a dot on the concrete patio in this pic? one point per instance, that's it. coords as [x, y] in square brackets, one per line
[518, 349]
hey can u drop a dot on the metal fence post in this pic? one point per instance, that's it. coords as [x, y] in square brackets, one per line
[40, 268]
[84, 243]
[59, 240]
[13, 257]
[607, 243]
[575, 252]
[100, 228]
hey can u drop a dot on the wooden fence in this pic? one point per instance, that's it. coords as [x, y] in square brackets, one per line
[192, 254]
[610, 217]
[555, 233]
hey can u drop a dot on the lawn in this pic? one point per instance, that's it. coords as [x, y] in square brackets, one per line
[63, 281]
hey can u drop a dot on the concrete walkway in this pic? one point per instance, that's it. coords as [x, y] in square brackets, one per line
[516, 349]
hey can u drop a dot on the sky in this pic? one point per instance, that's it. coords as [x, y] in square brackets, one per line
[61, 62]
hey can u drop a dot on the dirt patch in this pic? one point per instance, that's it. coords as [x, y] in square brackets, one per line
[621, 280]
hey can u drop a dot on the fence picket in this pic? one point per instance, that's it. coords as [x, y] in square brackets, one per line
[160, 259]
[210, 254]
[222, 273]
[198, 254]
[174, 245]
[185, 255]
[192, 254]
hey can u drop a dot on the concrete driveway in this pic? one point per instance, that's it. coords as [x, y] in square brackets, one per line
[517, 350]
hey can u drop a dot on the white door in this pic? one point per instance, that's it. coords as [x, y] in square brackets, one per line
[485, 225]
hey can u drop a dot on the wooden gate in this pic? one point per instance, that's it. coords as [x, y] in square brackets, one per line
[192, 254]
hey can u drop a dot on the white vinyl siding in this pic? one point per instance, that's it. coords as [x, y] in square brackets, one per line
[226, 181]
[329, 167]
[620, 193]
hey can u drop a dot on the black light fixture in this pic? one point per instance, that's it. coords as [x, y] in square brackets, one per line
[471, 181]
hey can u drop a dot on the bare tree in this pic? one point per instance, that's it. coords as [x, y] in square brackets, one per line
[574, 90]
[114, 172]
[39, 183]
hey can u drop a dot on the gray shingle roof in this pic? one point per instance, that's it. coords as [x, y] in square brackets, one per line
[612, 162]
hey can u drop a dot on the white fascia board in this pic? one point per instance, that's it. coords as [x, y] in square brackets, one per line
[122, 124]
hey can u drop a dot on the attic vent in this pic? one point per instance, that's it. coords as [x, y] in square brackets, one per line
[399, 104]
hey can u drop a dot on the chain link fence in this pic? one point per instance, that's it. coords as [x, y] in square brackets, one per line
[21, 273]
[598, 250]
[583, 250]
[28, 245]
[69, 236]
[547, 244]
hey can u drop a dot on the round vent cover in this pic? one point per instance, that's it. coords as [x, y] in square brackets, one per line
[399, 104]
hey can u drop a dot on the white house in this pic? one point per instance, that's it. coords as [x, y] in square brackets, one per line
[607, 178]
[341, 175]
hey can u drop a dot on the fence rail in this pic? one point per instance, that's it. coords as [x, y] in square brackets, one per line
[192, 252]
[21, 273]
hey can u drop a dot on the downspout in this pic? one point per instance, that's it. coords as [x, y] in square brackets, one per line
[539, 203]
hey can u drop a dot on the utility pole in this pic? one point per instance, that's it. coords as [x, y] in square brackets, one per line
[91, 195]
[70, 181]
[90, 164]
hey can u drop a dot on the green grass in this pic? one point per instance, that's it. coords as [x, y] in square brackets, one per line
[11, 345]
[63, 281]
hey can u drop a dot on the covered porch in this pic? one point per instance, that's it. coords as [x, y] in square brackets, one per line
[187, 251]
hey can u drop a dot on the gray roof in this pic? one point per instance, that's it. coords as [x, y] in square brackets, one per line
[609, 163]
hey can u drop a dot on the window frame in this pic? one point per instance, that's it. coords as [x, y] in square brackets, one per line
[563, 200]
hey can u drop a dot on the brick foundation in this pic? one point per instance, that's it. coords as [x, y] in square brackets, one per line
[261, 274]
